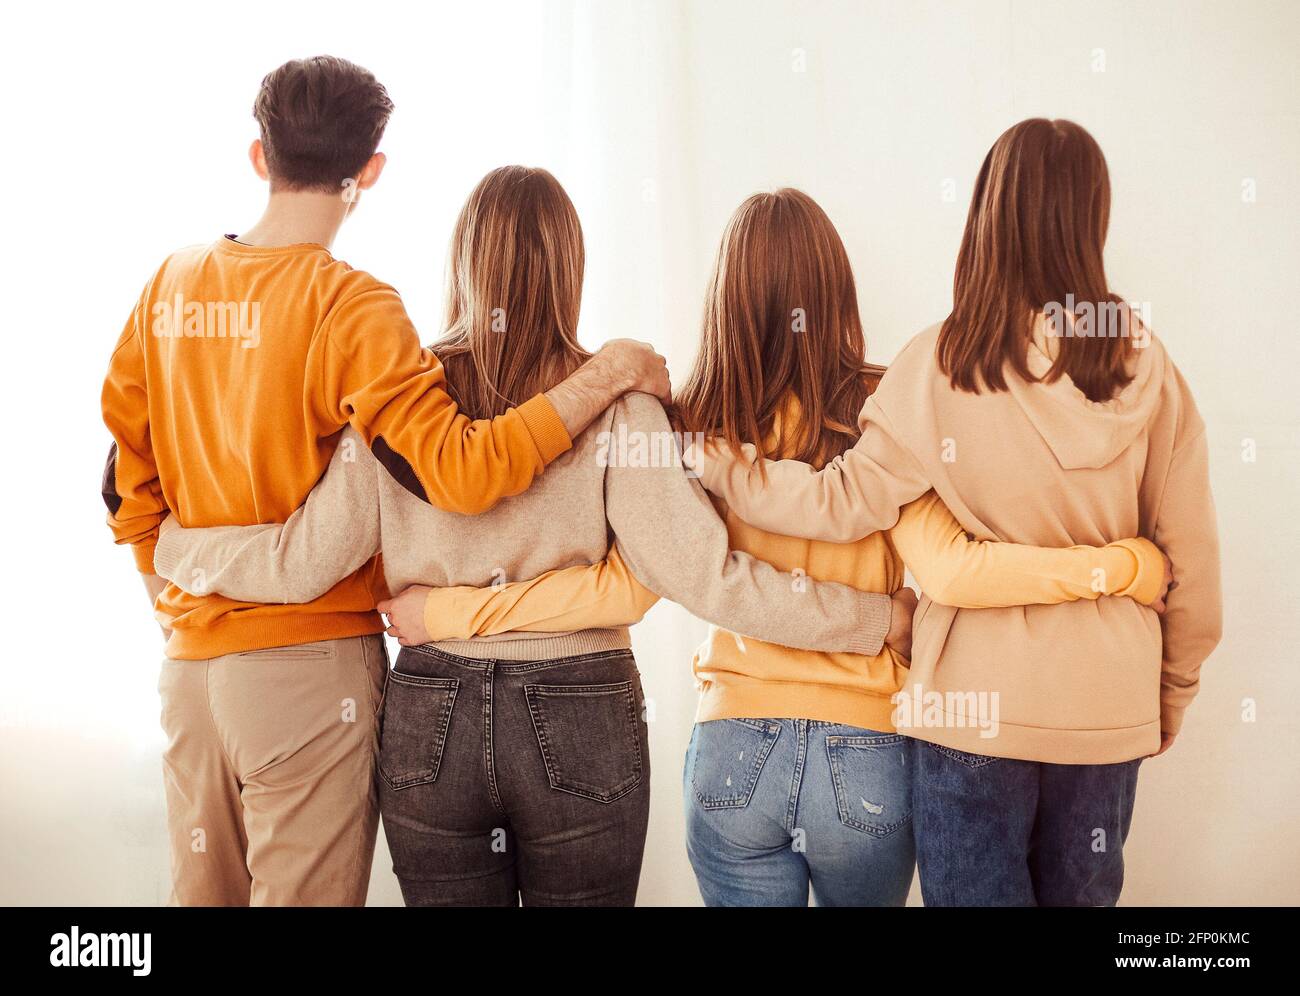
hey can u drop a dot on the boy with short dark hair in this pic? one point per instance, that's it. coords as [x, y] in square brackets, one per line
[239, 366]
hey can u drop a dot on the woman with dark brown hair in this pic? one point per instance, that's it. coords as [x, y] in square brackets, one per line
[1044, 411]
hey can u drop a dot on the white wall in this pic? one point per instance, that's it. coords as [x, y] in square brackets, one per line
[659, 118]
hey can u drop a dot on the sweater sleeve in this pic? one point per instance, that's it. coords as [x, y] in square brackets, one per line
[600, 596]
[130, 486]
[673, 540]
[1187, 530]
[371, 372]
[332, 535]
[954, 569]
[856, 494]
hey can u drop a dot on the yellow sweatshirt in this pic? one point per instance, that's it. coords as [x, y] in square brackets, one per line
[740, 677]
[225, 396]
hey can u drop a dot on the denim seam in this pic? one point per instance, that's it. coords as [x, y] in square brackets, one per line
[439, 745]
[841, 803]
[489, 733]
[796, 779]
[532, 693]
[771, 733]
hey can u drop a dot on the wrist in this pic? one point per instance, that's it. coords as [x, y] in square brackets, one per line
[607, 372]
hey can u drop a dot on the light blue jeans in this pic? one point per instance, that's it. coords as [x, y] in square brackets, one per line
[776, 805]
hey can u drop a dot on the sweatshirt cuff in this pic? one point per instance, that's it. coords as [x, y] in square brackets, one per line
[143, 553]
[549, 434]
[167, 555]
[1171, 718]
[1150, 575]
[873, 624]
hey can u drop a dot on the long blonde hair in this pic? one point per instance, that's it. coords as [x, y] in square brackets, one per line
[514, 290]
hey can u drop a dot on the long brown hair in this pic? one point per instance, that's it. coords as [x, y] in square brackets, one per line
[1033, 241]
[780, 322]
[514, 289]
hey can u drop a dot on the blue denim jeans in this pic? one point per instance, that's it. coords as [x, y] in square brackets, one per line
[993, 831]
[776, 805]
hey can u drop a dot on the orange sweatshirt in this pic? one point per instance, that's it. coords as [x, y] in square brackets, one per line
[225, 395]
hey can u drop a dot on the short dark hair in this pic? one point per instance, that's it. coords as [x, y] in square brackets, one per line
[321, 120]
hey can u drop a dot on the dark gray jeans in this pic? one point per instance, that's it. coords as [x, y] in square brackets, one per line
[509, 781]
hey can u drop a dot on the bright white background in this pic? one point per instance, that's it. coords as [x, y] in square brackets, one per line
[125, 135]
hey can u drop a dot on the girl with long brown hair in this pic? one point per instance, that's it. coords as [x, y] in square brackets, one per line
[796, 777]
[514, 766]
[1041, 411]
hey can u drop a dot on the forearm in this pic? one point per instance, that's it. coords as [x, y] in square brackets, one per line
[1192, 624]
[954, 569]
[587, 392]
[603, 595]
[332, 535]
[857, 493]
[673, 540]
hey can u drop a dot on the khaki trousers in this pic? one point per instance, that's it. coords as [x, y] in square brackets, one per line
[270, 773]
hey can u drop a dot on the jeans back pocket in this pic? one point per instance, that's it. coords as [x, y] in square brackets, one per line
[872, 780]
[590, 738]
[729, 757]
[417, 713]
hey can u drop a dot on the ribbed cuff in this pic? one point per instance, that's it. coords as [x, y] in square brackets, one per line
[1171, 718]
[166, 555]
[548, 432]
[143, 553]
[874, 616]
[1150, 575]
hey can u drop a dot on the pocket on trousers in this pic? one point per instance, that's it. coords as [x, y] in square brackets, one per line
[590, 738]
[729, 758]
[417, 713]
[873, 781]
[963, 757]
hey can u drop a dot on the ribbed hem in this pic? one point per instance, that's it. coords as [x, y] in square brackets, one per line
[873, 624]
[518, 647]
[787, 700]
[548, 432]
[1034, 743]
[144, 553]
[1150, 575]
[233, 634]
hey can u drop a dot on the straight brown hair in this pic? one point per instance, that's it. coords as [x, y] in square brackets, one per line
[514, 290]
[1033, 242]
[780, 322]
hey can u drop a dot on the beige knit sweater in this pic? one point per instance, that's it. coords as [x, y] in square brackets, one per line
[619, 480]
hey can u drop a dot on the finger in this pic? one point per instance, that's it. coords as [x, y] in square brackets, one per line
[394, 632]
[385, 606]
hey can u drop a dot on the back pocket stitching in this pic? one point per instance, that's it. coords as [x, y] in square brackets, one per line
[554, 772]
[969, 759]
[438, 745]
[834, 745]
[769, 733]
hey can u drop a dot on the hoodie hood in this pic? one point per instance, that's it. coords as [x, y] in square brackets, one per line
[1085, 434]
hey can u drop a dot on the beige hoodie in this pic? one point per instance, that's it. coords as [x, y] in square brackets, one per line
[1080, 683]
